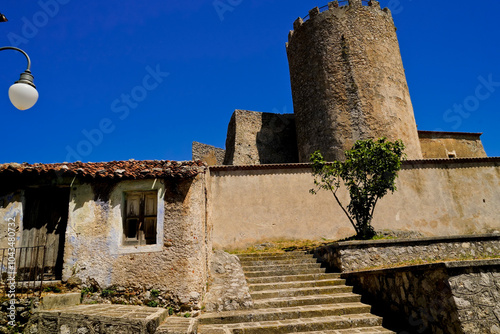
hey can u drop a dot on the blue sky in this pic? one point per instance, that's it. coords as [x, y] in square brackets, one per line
[128, 79]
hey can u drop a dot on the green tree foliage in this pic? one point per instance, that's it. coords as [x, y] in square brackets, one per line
[369, 172]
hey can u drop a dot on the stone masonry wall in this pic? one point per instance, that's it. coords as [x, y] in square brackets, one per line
[260, 138]
[228, 289]
[476, 291]
[361, 255]
[348, 81]
[209, 154]
[451, 297]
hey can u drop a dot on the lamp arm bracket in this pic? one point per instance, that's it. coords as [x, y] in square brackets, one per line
[28, 69]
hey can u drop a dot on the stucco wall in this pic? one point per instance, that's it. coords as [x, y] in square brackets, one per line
[252, 204]
[442, 145]
[177, 263]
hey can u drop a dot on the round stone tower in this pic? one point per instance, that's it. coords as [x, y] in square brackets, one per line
[348, 80]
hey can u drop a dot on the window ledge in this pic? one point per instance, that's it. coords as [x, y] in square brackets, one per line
[139, 249]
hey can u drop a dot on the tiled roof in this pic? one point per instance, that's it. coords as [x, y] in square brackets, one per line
[131, 169]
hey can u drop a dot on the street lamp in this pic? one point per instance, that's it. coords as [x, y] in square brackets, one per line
[23, 93]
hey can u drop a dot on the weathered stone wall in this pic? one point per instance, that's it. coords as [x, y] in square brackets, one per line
[451, 297]
[228, 289]
[348, 81]
[177, 263]
[444, 145]
[209, 154]
[360, 255]
[249, 205]
[415, 299]
[476, 291]
[24, 309]
[260, 138]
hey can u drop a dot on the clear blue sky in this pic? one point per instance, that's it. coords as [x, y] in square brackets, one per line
[89, 56]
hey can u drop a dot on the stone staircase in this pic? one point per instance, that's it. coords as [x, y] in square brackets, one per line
[293, 294]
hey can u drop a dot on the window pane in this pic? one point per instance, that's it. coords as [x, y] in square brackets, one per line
[131, 228]
[150, 205]
[133, 202]
[150, 231]
[139, 218]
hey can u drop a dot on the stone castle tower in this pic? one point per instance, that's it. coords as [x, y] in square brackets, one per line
[348, 83]
[348, 80]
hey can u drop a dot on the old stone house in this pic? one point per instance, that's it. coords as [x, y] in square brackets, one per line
[139, 224]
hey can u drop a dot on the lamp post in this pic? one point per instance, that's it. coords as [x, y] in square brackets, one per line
[23, 93]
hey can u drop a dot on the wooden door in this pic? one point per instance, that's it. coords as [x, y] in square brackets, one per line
[44, 224]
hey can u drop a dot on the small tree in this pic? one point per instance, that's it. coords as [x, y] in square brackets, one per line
[369, 172]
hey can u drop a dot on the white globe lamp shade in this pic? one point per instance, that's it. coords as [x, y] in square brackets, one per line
[23, 96]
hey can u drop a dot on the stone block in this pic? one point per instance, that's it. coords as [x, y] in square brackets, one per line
[60, 300]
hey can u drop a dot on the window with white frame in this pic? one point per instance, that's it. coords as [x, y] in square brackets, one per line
[139, 218]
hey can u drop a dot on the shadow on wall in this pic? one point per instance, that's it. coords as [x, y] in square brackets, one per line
[276, 140]
[255, 138]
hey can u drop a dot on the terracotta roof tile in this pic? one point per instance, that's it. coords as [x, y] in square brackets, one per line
[131, 169]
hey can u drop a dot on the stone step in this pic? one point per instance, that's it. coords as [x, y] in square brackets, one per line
[280, 267]
[291, 278]
[300, 292]
[291, 270]
[178, 325]
[293, 285]
[248, 262]
[274, 256]
[295, 325]
[97, 318]
[272, 314]
[364, 330]
[307, 300]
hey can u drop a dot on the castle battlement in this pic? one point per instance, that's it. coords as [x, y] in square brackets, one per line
[348, 80]
[339, 5]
